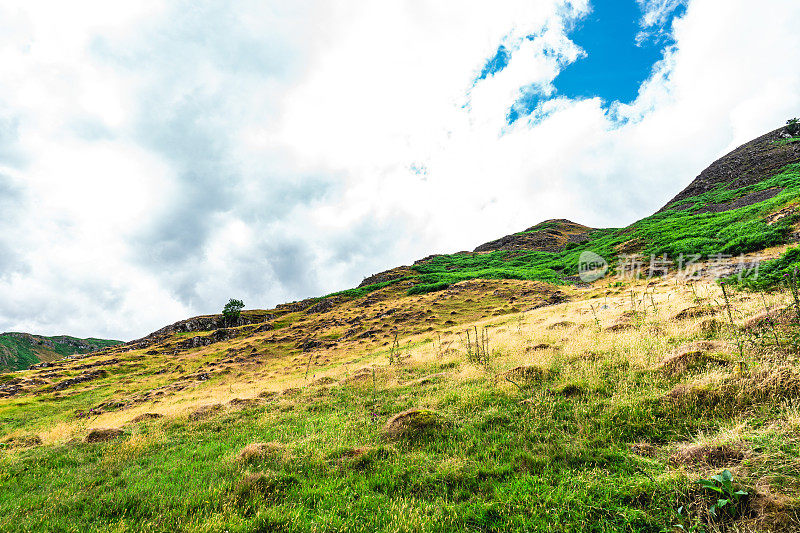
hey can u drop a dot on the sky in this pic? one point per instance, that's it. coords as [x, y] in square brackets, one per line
[158, 158]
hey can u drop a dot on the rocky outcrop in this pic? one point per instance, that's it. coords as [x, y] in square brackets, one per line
[198, 323]
[746, 165]
[549, 236]
[199, 341]
[83, 378]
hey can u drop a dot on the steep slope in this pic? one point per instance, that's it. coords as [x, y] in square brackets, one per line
[21, 350]
[747, 165]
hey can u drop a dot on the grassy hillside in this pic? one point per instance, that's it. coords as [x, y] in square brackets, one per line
[479, 391]
[582, 416]
[19, 351]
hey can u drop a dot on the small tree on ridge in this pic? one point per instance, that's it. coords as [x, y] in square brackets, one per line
[231, 311]
[793, 126]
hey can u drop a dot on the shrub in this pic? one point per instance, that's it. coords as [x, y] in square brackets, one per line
[793, 126]
[232, 310]
[427, 287]
[772, 274]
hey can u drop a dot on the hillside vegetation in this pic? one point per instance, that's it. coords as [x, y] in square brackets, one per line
[481, 391]
[18, 351]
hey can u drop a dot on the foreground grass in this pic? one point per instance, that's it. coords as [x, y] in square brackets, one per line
[561, 451]
[499, 465]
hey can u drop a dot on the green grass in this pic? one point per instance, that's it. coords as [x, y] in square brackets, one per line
[790, 140]
[771, 274]
[18, 354]
[498, 465]
[502, 466]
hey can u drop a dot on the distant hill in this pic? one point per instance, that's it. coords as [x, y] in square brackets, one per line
[19, 351]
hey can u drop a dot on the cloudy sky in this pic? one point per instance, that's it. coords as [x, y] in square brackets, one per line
[158, 158]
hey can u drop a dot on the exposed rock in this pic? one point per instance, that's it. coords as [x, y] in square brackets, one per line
[198, 323]
[322, 306]
[46, 364]
[556, 297]
[311, 344]
[83, 378]
[781, 214]
[746, 165]
[433, 256]
[218, 335]
[549, 236]
[11, 387]
[748, 199]
[387, 275]
[294, 307]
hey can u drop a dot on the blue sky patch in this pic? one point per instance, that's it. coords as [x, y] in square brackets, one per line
[620, 55]
[497, 63]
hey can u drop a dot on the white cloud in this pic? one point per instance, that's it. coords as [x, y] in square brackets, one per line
[163, 159]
